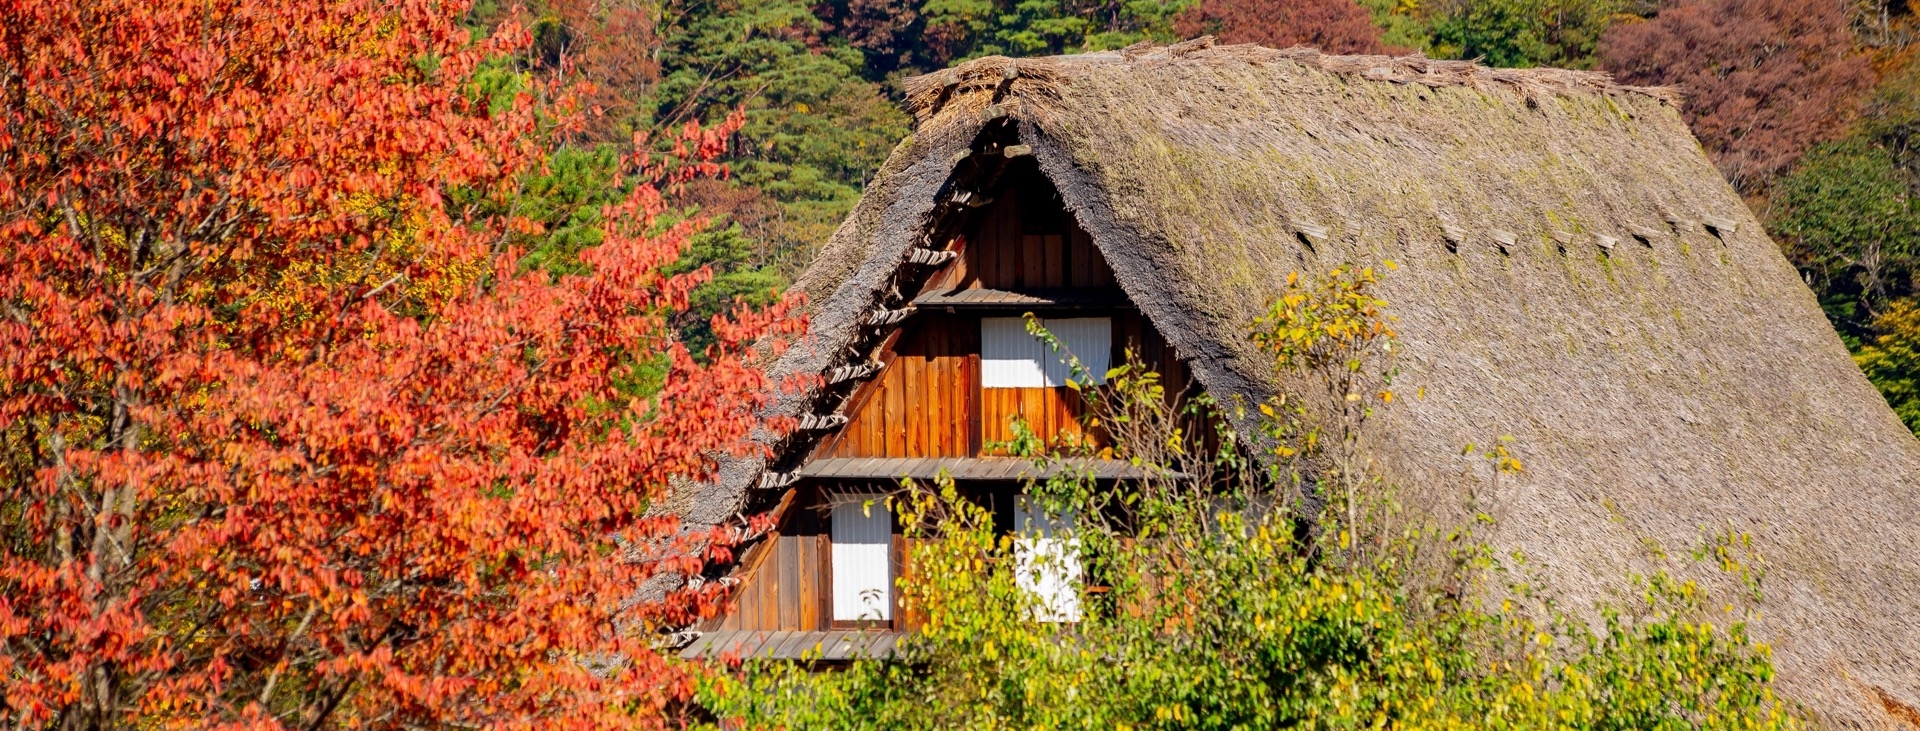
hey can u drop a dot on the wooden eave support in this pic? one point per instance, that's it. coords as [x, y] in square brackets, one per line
[1314, 232]
[882, 318]
[1505, 240]
[930, 257]
[1681, 225]
[846, 373]
[970, 199]
[777, 480]
[816, 422]
[1722, 227]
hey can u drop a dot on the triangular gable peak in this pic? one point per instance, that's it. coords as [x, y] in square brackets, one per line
[949, 366]
[1574, 274]
[946, 389]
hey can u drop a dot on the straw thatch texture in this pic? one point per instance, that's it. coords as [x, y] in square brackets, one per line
[1680, 383]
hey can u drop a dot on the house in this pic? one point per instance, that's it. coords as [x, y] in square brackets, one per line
[1573, 274]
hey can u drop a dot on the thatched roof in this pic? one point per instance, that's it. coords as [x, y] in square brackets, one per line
[1684, 380]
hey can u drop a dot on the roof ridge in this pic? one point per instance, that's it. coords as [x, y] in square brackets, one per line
[928, 92]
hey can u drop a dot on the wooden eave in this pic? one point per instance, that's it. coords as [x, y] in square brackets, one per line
[829, 646]
[1027, 299]
[967, 468]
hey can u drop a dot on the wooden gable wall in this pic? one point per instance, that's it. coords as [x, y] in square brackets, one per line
[927, 402]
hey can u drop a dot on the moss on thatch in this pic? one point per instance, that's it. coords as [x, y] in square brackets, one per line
[1680, 381]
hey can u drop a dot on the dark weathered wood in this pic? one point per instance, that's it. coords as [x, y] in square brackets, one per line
[694, 649]
[1032, 263]
[883, 644]
[898, 552]
[808, 595]
[1006, 239]
[1055, 255]
[789, 573]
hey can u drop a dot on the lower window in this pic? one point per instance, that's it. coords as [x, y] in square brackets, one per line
[862, 559]
[1048, 561]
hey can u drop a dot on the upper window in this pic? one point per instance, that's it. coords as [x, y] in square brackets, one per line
[1012, 358]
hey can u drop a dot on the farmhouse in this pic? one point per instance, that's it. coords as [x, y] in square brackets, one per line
[1573, 274]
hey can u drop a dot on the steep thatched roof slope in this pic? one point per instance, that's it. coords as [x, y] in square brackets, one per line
[1686, 380]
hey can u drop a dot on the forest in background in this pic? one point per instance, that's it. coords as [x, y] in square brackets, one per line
[1810, 108]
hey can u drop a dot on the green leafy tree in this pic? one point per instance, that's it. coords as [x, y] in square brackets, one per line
[1400, 22]
[815, 129]
[1521, 33]
[1849, 217]
[972, 28]
[568, 197]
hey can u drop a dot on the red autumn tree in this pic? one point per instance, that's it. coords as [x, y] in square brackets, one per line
[291, 439]
[1333, 26]
[1764, 80]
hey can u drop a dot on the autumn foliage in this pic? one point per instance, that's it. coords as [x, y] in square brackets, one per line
[1765, 80]
[291, 437]
[1333, 26]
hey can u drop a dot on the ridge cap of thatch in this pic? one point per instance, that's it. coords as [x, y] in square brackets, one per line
[927, 93]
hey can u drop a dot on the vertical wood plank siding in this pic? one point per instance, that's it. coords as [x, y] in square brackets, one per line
[928, 400]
